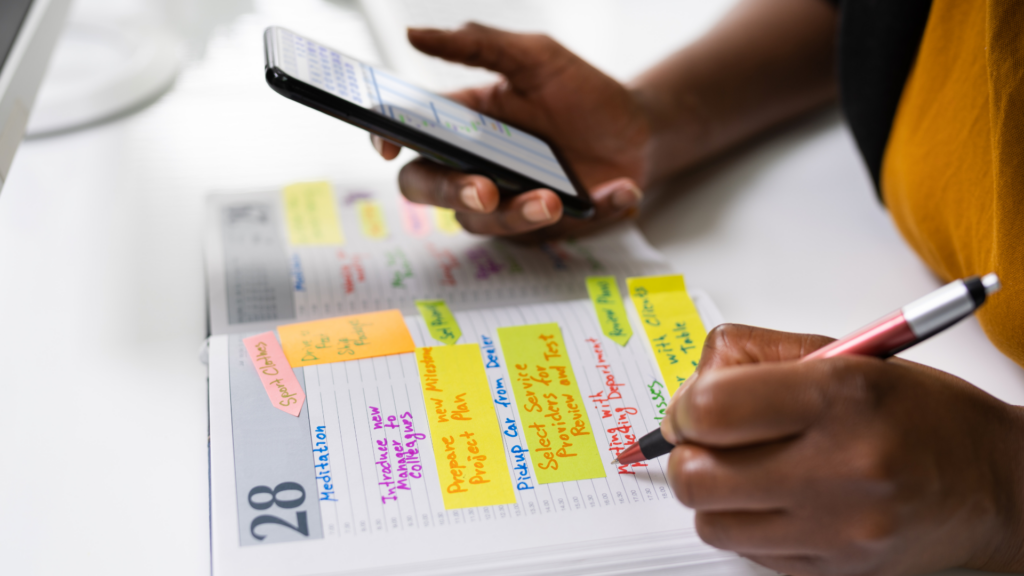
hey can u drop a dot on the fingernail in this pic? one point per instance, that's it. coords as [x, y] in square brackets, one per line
[686, 383]
[671, 424]
[668, 427]
[470, 196]
[536, 211]
[378, 144]
[627, 197]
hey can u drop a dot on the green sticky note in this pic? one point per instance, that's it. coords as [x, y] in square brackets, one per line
[555, 422]
[440, 320]
[611, 313]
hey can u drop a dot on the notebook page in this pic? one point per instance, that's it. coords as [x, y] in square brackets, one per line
[272, 257]
[363, 506]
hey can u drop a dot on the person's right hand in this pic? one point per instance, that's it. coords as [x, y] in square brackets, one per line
[548, 91]
[845, 466]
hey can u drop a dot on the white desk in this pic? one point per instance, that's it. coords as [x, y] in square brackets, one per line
[789, 234]
[104, 464]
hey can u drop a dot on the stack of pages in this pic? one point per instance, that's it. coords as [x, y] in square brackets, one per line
[391, 395]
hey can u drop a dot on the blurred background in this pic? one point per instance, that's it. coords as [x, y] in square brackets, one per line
[116, 56]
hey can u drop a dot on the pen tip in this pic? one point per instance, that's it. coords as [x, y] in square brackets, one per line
[615, 462]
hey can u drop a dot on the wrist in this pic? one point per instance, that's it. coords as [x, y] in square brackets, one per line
[678, 131]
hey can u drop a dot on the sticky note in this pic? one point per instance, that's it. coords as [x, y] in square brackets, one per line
[311, 216]
[672, 325]
[611, 314]
[415, 218]
[440, 320]
[371, 219]
[345, 338]
[279, 381]
[445, 220]
[464, 430]
[555, 423]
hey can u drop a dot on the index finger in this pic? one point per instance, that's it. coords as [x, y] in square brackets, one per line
[755, 404]
[735, 344]
[732, 344]
[522, 58]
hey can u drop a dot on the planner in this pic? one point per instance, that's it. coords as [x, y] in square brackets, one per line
[391, 395]
[272, 257]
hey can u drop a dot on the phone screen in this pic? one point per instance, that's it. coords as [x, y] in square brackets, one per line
[444, 119]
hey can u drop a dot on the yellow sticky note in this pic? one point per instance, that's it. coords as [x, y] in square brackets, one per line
[555, 422]
[311, 216]
[672, 324]
[611, 314]
[445, 220]
[345, 338]
[464, 428]
[440, 320]
[371, 219]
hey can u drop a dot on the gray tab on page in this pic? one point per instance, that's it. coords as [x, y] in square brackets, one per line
[259, 280]
[275, 480]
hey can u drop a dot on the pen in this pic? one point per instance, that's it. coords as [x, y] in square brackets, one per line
[891, 334]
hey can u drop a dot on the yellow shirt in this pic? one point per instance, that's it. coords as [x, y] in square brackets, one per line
[953, 170]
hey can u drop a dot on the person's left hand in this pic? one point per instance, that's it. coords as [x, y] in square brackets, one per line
[599, 125]
[848, 465]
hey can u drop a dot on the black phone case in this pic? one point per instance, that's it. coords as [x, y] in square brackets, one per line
[509, 182]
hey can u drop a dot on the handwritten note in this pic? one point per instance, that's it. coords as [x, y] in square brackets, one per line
[371, 219]
[657, 391]
[398, 460]
[399, 268]
[672, 324]
[555, 421]
[415, 218]
[279, 381]
[345, 338]
[611, 314]
[445, 220]
[311, 216]
[463, 427]
[615, 410]
[440, 320]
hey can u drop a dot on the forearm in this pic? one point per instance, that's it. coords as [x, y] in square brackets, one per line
[766, 62]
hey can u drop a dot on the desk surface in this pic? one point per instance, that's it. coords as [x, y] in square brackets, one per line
[102, 297]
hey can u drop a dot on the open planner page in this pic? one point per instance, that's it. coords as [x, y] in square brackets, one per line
[391, 395]
[317, 249]
[358, 471]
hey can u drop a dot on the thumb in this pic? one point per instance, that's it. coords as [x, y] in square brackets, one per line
[524, 59]
[735, 344]
[732, 344]
[615, 196]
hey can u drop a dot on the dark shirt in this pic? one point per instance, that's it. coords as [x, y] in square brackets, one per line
[878, 42]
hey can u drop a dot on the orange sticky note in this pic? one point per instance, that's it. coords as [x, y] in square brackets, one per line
[278, 379]
[345, 338]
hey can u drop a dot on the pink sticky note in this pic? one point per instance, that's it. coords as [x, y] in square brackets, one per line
[275, 372]
[415, 218]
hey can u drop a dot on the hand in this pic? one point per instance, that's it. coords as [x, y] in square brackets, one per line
[849, 465]
[552, 93]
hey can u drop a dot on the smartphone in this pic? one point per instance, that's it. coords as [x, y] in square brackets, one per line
[438, 128]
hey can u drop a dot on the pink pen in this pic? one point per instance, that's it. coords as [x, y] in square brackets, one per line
[915, 322]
